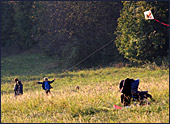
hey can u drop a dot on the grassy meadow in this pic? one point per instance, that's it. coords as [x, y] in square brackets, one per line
[92, 103]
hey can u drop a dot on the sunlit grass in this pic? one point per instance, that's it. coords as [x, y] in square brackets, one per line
[92, 103]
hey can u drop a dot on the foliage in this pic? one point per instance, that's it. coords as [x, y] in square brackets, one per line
[23, 24]
[7, 21]
[139, 39]
[77, 29]
[69, 30]
[17, 26]
[72, 30]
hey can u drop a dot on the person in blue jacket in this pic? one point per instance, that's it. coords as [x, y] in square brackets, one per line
[46, 85]
[18, 88]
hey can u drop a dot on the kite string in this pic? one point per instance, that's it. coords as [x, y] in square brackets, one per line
[161, 22]
[89, 55]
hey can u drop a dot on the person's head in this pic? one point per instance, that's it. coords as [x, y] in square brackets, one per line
[19, 82]
[129, 80]
[45, 79]
[16, 79]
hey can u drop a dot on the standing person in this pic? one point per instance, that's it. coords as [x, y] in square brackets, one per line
[46, 85]
[18, 88]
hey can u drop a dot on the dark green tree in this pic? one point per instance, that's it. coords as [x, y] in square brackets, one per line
[73, 30]
[66, 30]
[7, 24]
[19, 26]
[141, 40]
[23, 24]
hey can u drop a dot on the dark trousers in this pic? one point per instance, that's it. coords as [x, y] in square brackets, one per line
[125, 99]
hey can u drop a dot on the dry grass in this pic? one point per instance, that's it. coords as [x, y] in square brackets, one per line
[92, 103]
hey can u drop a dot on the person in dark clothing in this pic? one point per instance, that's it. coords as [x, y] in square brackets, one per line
[129, 89]
[18, 88]
[46, 85]
[125, 89]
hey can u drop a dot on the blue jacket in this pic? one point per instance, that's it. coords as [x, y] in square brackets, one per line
[47, 85]
[18, 88]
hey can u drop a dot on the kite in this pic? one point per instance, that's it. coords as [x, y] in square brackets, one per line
[149, 15]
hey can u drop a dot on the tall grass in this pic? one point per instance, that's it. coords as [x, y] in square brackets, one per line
[92, 103]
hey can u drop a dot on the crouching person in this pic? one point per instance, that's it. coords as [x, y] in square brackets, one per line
[18, 88]
[125, 89]
[129, 89]
[46, 85]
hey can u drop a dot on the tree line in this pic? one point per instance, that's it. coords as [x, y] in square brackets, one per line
[71, 30]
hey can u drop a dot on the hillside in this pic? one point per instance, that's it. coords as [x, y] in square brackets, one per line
[93, 102]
